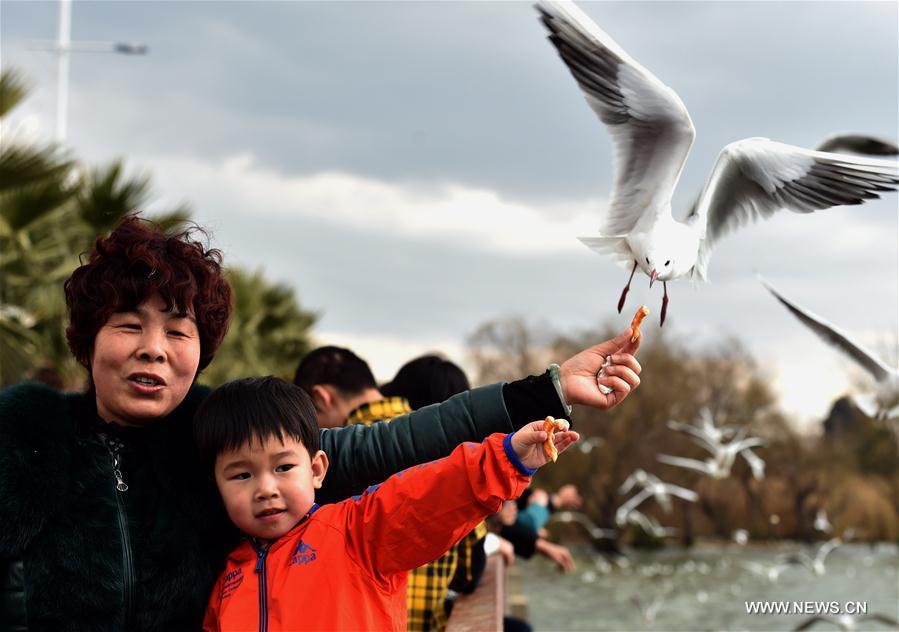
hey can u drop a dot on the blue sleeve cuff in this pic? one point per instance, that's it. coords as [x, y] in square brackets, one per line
[510, 453]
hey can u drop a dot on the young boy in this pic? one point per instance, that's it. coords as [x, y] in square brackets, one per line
[341, 566]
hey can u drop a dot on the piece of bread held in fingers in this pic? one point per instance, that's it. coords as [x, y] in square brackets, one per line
[642, 312]
[551, 425]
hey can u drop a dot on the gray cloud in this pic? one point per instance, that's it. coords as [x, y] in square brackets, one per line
[461, 91]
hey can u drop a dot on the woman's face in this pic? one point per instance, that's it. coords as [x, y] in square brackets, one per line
[144, 362]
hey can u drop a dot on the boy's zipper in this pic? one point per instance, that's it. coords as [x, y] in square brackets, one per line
[114, 446]
[261, 552]
[263, 588]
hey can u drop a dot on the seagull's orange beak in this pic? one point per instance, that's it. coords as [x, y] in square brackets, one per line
[652, 277]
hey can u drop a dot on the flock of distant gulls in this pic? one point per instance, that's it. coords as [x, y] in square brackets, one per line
[652, 134]
[723, 443]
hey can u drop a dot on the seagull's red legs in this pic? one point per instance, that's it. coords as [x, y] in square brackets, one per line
[626, 288]
[664, 303]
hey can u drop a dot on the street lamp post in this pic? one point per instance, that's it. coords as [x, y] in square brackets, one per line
[63, 44]
[63, 47]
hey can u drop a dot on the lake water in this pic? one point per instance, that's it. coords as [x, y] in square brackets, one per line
[705, 588]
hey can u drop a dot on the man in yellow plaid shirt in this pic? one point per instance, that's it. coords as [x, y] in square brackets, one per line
[344, 392]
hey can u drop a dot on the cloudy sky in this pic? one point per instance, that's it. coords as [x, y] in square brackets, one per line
[416, 169]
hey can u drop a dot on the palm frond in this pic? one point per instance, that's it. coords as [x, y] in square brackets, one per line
[173, 221]
[108, 195]
[13, 89]
[22, 165]
[23, 206]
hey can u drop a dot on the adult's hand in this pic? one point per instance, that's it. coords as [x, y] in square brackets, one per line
[557, 553]
[579, 375]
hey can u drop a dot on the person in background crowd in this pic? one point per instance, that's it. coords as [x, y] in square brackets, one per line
[426, 380]
[344, 390]
[536, 505]
[526, 541]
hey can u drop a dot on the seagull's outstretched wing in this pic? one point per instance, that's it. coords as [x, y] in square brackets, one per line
[650, 128]
[698, 435]
[862, 144]
[637, 477]
[690, 464]
[680, 492]
[859, 144]
[756, 177]
[811, 621]
[882, 618]
[633, 502]
[833, 336]
[756, 464]
[825, 549]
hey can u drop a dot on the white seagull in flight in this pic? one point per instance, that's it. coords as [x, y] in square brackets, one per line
[652, 134]
[885, 402]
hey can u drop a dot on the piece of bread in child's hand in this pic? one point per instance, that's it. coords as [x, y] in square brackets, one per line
[642, 313]
[550, 425]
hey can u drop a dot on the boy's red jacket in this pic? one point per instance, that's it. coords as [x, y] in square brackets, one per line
[344, 566]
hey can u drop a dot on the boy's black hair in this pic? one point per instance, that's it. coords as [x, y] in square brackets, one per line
[254, 409]
[427, 380]
[339, 367]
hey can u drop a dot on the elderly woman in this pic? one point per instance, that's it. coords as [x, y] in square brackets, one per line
[109, 523]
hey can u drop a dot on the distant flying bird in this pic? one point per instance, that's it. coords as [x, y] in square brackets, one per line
[821, 522]
[652, 134]
[859, 144]
[710, 467]
[886, 399]
[650, 525]
[756, 464]
[712, 438]
[652, 487]
[722, 458]
[814, 564]
[848, 622]
[638, 477]
[706, 432]
[771, 572]
[577, 517]
[648, 609]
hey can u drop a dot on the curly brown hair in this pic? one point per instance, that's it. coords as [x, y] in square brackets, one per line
[137, 260]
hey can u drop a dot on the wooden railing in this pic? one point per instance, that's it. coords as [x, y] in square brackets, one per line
[482, 610]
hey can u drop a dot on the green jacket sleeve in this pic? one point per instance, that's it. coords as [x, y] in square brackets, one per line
[365, 455]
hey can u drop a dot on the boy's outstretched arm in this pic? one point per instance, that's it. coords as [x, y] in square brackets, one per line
[416, 515]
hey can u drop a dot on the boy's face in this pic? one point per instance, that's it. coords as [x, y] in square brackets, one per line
[267, 488]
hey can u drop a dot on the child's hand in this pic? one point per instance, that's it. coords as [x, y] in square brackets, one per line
[528, 443]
